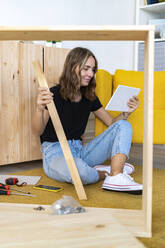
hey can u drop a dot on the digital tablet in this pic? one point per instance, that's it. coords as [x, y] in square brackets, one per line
[120, 98]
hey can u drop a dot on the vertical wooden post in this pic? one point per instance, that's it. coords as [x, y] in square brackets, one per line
[61, 136]
[148, 129]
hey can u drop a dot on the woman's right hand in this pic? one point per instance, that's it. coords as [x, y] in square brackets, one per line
[44, 97]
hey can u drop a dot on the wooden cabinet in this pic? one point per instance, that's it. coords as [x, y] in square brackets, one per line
[18, 90]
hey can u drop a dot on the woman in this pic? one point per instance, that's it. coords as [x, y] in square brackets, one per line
[75, 98]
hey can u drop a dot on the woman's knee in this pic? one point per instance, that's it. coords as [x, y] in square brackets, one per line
[58, 170]
[87, 174]
[125, 125]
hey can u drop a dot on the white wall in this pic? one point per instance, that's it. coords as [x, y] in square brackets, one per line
[111, 55]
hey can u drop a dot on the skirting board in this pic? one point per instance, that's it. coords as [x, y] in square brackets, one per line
[143, 225]
[40, 228]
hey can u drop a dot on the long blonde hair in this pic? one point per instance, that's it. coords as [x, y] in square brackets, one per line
[70, 82]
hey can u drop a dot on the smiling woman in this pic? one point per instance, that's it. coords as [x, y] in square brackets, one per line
[79, 70]
[88, 71]
[75, 98]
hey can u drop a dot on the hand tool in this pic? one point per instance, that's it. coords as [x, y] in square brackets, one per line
[7, 187]
[8, 192]
[14, 181]
[11, 181]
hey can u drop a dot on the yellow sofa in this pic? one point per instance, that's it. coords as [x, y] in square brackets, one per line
[107, 84]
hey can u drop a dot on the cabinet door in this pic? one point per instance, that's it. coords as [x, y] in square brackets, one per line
[17, 102]
[54, 59]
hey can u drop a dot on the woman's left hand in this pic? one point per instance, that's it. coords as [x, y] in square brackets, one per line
[133, 104]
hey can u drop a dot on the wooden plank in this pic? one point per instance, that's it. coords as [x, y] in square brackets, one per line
[54, 59]
[148, 129]
[107, 32]
[133, 220]
[61, 136]
[42, 229]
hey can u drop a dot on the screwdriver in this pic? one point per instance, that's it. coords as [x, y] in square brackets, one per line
[3, 186]
[8, 192]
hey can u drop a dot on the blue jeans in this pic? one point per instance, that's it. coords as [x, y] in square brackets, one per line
[115, 139]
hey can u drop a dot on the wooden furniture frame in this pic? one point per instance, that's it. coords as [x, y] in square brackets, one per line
[137, 221]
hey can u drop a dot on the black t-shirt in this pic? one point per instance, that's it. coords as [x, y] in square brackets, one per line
[73, 115]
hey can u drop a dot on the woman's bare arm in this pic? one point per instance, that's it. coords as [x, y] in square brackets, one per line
[108, 119]
[41, 115]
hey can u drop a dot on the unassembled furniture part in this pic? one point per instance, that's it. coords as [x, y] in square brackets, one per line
[140, 226]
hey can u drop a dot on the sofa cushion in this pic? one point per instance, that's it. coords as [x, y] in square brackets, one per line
[130, 78]
[104, 86]
[104, 92]
[136, 79]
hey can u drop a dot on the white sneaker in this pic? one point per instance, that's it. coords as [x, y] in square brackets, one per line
[128, 168]
[122, 182]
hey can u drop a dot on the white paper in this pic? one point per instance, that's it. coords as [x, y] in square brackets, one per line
[30, 180]
[120, 98]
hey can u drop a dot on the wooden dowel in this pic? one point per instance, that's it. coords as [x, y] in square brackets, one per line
[61, 136]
